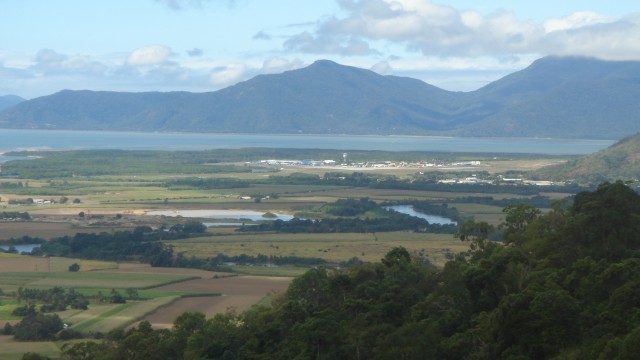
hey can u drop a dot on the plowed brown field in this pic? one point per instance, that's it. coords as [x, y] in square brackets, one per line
[239, 293]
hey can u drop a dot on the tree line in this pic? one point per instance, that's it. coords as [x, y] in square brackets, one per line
[393, 222]
[141, 244]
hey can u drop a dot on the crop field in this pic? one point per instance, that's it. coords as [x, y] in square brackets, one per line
[18, 270]
[104, 280]
[10, 281]
[491, 214]
[20, 263]
[49, 229]
[119, 316]
[278, 271]
[6, 307]
[173, 290]
[332, 247]
[35, 229]
[239, 293]
[13, 350]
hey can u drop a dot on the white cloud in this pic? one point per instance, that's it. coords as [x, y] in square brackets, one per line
[51, 62]
[341, 44]
[576, 20]
[195, 52]
[149, 55]
[432, 29]
[616, 40]
[279, 65]
[382, 68]
[261, 35]
[227, 75]
[48, 56]
[182, 4]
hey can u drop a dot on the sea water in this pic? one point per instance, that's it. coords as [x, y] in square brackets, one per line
[14, 140]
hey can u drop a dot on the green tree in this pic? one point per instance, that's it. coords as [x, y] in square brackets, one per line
[606, 222]
[88, 350]
[396, 256]
[37, 327]
[476, 232]
[517, 218]
[34, 356]
[116, 298]
[75, 267]
[132, 293]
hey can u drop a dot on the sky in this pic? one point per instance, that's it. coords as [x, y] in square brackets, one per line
[204, 45]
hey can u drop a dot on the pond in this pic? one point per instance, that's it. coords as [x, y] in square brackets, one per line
[20, 248]
[239, 215]
[432, 219]
[220, 224]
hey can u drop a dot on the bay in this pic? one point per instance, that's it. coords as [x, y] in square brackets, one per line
[16, 140]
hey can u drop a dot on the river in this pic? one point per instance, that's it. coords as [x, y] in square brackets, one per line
[20, 248]
[432, 219]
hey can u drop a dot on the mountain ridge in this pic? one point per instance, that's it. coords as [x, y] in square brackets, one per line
[554, 97]
[620, 161]
[8, 101]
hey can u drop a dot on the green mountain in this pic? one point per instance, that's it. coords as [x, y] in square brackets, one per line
[8, 101]
[554, 97]
[563, 97]
[620, 161]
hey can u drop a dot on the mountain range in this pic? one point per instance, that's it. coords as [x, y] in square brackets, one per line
[8, 101]
[560, 97]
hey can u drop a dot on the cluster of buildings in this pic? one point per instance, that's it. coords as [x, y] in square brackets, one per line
[500, 179]
[274, 162]
[382, 164]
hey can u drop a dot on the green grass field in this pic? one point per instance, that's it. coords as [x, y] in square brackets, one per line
[331, 247]
[97, 279]
[106, 318]
[6, 307]
[14, 350]
[286, 271]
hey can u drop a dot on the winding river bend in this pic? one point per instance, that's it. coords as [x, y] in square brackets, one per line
[432, 219]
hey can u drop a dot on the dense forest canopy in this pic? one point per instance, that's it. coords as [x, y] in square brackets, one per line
[564, 284]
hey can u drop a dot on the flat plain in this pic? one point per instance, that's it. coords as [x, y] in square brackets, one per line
[109, 203]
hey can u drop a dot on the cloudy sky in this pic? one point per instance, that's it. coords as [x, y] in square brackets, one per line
[205, 45]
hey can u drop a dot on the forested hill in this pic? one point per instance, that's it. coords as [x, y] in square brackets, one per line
[554, 97]
[620, 161]
[8, 101]
[564, 285]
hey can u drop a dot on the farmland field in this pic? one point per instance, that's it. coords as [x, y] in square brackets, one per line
[332, 247]
[13, 350]
[120, 315]
[239, 293]
[96, 279]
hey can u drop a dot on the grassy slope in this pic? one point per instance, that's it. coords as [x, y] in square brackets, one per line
[620, 161]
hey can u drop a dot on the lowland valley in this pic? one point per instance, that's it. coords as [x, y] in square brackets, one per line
[132, 244]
